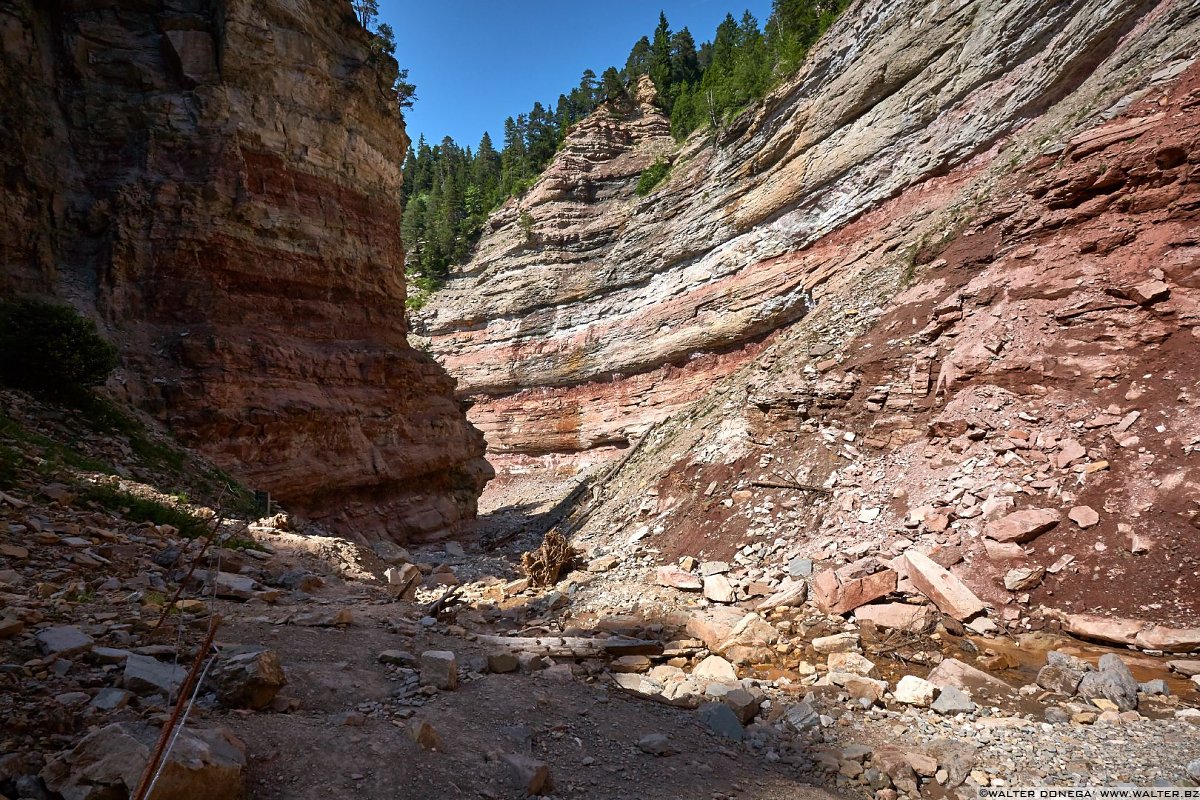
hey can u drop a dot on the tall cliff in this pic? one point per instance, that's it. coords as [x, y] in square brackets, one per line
[619, 310]
[218, 180]
[947, 275]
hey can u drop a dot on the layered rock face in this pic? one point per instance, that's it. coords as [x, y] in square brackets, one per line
[999, 373]
[220, 182]
[620, 310]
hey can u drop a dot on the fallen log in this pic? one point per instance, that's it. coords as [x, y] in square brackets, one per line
[576, 646]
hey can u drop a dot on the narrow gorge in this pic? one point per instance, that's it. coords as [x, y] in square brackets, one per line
[838, 440]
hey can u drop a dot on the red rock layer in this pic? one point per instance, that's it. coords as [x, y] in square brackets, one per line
[220, 181]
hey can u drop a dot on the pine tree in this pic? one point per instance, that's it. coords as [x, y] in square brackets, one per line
[638, 63]
[660, 62]
[614, 87]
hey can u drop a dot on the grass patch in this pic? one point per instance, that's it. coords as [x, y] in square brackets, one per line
[141, 509]
[652, 176]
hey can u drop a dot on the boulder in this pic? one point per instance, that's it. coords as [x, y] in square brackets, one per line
[714, 625]
[953, 700]
[1022, 526]
[975, 682]
[715, 668]
[897, 616]
[528, 774]
[1062, 673]
[856, 584]
[914, 691]
[656, 744]
[836, 643]
[145, 675]
[109, 763]
[247, 677]
[439, 668]
[743, 704]
[722, 721]
[855, 663]
[1105, 629]
[718, 589]
[1023, 579]
[789, 596]
[63, 640]
[678, 579]
[948, 593]
[1113, 682]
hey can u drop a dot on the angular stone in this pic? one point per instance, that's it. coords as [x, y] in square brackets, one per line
[399, 658]
[953, 700]
[1069, 451]
[855, 663]
[630, 664]
[801, 716]
[1022, 526]
[403, 580]
[975, 682]
[721, 719]
[743, 704]
[111, 698]
[425, 735]
[439, 668]
[656, 744]
[63, 640]
[859, 686]
[914, 691]
[10, 626]
[1113, 682]
[1185, 666]
[714, 625]
[502, 662]
[800, 567]
[109, 763]
[528, 774]
[1023, 578]
[678, 579]
[718, 589]
[603, 563]
[1148, 292]
[715, 668]
[845, 589]
[144, 674]
[790, 596]
[1083, 516]
[948, 593]
[1171, 640]
[837, 643]
[897, 616]
[1105, 629]
[1003, 551]
[1062, 673]
[247, 677]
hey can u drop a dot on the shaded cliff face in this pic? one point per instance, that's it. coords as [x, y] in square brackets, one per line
[623, 309]
[220, 181]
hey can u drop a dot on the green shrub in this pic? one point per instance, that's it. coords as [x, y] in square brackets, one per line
[51, 347]
[652, 176]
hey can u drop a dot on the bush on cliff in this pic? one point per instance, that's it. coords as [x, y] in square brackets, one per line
[652, 176]
[51, 347]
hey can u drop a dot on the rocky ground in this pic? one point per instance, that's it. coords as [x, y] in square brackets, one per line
[334, 673]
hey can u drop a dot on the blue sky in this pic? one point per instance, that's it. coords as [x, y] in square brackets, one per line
[476, 62]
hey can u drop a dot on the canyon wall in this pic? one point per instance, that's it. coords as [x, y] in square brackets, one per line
[218, 181]
[620, 310]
